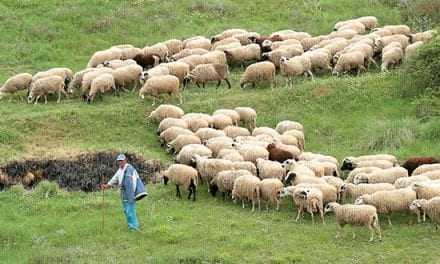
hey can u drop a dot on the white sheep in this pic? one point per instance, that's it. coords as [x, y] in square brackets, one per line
[16, 83]
[387, 202]
[188, 52]
[158, 49]
[171, 133]
[288, 51]
[428, 207]
[198, 120]
[236, 131]
[170, 122]
[197, 42]
[357, 215]
[247, 187]
[411, 50]
[102, 84]
[164, 111]
[252, 152]
[306, 198]
[155, 86]
[181, 141]
[215, 57]
[178, 69]
[224, 181]
[182, 175]
[100, 57]
[426, 168]
[127, 76]
[186, 154]
[389, 175]
[206, 133]
[350, 61]
[245, 165]
[409, 181]
[296, 177]
[270, 169]
[243, 54]
[270, 192]
[356, 190]
[114, 64]
[218, 143]
[221, 121]
[45, 86]
[209, 168]
[392, 56]
[259, 72]
[204, 73]
[174, 46]
[426, 190]
[329, 192]
[296, 66]
[88, 77]
[398, 29]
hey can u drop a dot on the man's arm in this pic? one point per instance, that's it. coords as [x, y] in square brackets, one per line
[113, 181]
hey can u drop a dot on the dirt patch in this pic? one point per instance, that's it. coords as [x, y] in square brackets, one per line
[81, 172]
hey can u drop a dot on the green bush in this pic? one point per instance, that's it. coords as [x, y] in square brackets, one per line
[17, 190]
[46, 189]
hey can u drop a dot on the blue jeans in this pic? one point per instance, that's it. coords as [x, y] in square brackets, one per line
[130, 215]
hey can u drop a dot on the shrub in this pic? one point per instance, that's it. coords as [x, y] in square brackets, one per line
[46, 189]
[17, 190]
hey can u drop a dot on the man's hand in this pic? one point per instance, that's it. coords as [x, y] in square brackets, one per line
[104, 186]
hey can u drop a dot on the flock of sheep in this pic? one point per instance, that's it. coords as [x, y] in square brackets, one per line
[230, 155]
[166, 66]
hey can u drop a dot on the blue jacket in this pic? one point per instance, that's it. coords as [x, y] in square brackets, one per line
[127, 192]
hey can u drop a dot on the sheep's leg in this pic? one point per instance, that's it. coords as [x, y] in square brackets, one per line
[259, 204]
[59, 97]
[45, 99]
[371, 233]
[373, 61]
[218, 84]
[389, 220]
[242, 203]
[178, 191]
[311, 214]
[203, 85]
[278, 205]
[198, 85]
[253, 205]
[180, 99]
[299, 213]
[229, 84]
[353, 234]
[267, 206]
[338, 232]
[311, 75]
[154, 100]
[321, 214]
[224, 196]
[424, 217]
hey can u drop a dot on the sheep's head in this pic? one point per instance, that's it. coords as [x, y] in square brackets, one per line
[330, 207]
[143, 76]
[187, 79]
[252, 39]
[213, 188]
[265, 56]
[266, 43]
[361, 199]
[287, 191]
[347, 164]
[289, 178]
[360, 178]
[30, 98]
[284, 60]
[344, 187]
[106, 63]
[271, 146]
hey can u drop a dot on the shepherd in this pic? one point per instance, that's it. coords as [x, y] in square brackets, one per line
[132, 189]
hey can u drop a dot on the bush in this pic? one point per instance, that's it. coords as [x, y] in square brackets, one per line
[46, 189]
[17, 190]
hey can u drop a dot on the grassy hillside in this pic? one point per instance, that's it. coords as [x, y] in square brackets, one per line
[342, 116]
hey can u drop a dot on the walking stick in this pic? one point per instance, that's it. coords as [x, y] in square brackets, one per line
[103, 201]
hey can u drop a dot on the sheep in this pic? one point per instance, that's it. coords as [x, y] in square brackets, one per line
[364, 48]
[206, 133]
[178, 69]
[409, 181]
[193, 61]
[369, 22]
[114, 64]
[346, 33]
[218, 143]
[223, 48]
[356, 26]
[182, 175]
[244, 37]
[292, 165]
[158, 49]
[421, 36]
[306, 198]
[224, 182]
[235, 131]
[389, 175]
[337, 183]
[299, 135]
[296, 177]
[296, 66]
[155, 71]
[425, 190]
[350, 61]
[315, 166]
[45, 86]
[215, 57]
[258, 72]
[308, 43]
[88, 77]
[231, 113]
[336, 45]
[411, 50]
[392, 56]
[243, 54]
[224, 41]
[157, 85]
[104, 83]
[251, 153]
[171, 122]
[382, 42]
[185, 156]
[78, 78]
[356, 171]
[181, 141]
[221, 121]
[270, 169]
[319, 60]
[429, 207]
[287, 140]
[329, 192]
[165, 111]
[413, 163]
[386, 157]
[233, 156]
[356, 190]
[398, 29]
[247, 187]
[348, 164]
[245, 165]
[198, 120]
[432, 175]
[16, 83]
[146, 61]
[4, 179]
[209, 168]
[260, 39]
[129, 53]
[318, 157]
[387, 202]
[64, 73]
[104, 55]
[197, 42]
[278, 44]
[127, 75]
[288, 34]
[270, 192]
[422, 169]
[188, 52]
[284, 51]
[203, 73]
[227, 34]
[357, 215]
[171, 133]
[174, 46]
[276, 153]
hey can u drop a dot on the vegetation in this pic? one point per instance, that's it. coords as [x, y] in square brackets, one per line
[342, 116]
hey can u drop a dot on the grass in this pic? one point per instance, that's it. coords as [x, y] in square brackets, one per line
[342, 116]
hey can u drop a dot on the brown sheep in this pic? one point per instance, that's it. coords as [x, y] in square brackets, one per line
[278, 154]
[146, 61]
[412, 163]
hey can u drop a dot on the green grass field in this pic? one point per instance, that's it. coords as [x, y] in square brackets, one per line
[342, 116]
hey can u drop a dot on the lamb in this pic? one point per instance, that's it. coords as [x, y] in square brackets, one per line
[100, 57]
[224, 182]
[182, 175]
[165, 111]
[387, 202]
[422, 169]
[350, 61]
[181, 141]
[171, 133]
[278, 154]
[188, 52]
[218, 143]
[174, 46]
[295, 178]
[178, 69]
[186, 154]
[389, 175]
[284, 51]
[197, 42]
[157, 85]
[235, 131]
[426, 191]
[171, 122]
[45, 86]
[206, 133]
[411, 50]
[392, 56]
[252, 153]
[413, 163]
[270, 169]
[270, 192]
[358, 215]
[203, 73]
[428, 207]
[209, 168]
[114, 64]
[16, 83]
[259, 72]
[306, 198]
[243, 54]
[127, 75]
[356, 190]
[104, 83]
[221, 121]
[422, 36]
[296, 66]
[247, 187]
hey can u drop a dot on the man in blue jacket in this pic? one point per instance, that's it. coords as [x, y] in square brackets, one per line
[126, 178]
